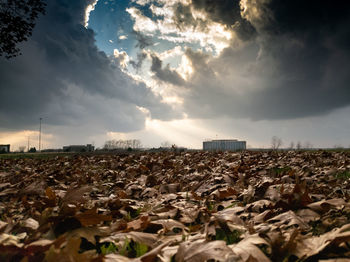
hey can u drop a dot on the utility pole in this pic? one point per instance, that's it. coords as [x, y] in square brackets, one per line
[40, 134]
[28, 143]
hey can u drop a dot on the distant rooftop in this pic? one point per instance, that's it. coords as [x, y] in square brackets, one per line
[224, 140]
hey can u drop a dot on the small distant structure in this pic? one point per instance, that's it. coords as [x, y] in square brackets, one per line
[79, 148]
[52, 150]
[224, 145]
[4, 148]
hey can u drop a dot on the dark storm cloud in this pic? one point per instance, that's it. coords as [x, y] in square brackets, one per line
[222, 11]
[314, 15]
[64, 77]
[143, 41]
[227, 12]
[165, 74]
[137, 64]
[183, 17]
[297, 65]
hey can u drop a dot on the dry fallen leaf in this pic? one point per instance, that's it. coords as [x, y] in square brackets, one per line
[288, 219]
[76, 195]
[90, 217]
[184, 206]
[202, 251]
[309, 246]
[248, 249]
[30, 223]
[138, 224]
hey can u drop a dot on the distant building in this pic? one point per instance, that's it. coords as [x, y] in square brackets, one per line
[79, 148]
[224, 145]
[4, 148]
[51, 150]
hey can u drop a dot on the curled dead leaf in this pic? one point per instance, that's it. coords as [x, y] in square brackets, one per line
[248, 249]
[76, 195]
[199, 251]
[90, 217]
[139, 224]
[309, 246]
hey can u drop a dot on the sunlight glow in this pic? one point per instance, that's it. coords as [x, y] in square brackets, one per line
[185, 68]
[185, 132]
[255, 12]
[212, 36]
[142, 23]
[122, 56]
[173, 100]
[88, 10]
[20, 138]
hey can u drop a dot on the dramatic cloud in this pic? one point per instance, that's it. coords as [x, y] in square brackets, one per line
[226, 12]
[138, 63]
[288, 59]
[143, 41]
[166, 73]
[248, 62]
[64, 78]
[179, 22]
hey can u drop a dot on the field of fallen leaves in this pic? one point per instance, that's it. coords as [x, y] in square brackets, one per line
[190, 206]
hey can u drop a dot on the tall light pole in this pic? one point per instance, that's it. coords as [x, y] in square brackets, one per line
[40, 134]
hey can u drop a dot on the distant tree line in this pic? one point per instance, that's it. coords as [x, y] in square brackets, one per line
[122, 144]
[276, 143]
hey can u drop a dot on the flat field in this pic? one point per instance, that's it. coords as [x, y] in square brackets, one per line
[190, 206]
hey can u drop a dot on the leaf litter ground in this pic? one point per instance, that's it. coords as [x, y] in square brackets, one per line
[190, 206]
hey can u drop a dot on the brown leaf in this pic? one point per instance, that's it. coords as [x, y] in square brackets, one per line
[118, 258]
[230, 216]
[308, 215]
[76, 195]
[35, 188]
[9, 191]
[168, 252]
[288, 219]
[152, 255]
[31, 223]
[221, 194]
[69, 253]
[168, 224]
[3, 225]
[202, 251]
[50, 194]
[169, 188]
[40, 245]
[325, 205]
[4, 185]
[90, 217]
[10, 240]
[89, 233]
[140, 237]
[138, 224]
[335, 260]
[195, 196]
[260, 205]
[247, 249]
[310, 246]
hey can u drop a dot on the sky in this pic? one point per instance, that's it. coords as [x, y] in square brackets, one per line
[181, 71]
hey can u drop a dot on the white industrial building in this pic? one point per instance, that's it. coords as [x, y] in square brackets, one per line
[79, 148]
[224, 145]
